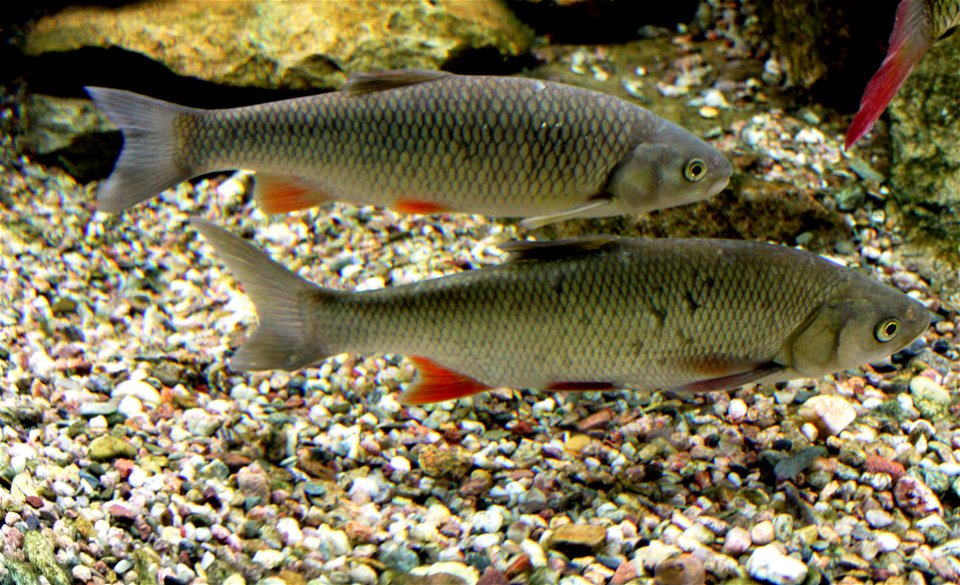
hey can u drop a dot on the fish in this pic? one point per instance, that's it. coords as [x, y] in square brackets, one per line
[591, 313]
[422, 142]
[917, 25]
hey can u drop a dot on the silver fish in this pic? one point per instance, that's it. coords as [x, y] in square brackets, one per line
[591, 313]
[426, 142]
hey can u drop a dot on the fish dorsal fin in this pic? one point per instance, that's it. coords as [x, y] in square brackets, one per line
[361, 83]
[527, 251]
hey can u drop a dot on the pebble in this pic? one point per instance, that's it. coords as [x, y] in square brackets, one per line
[762, 533]
[682, 570]
[736, 541]
[886, 541]
[485, 521]
[769, 564]
[268, 558]
[138, 389]
[829, 412]
[879, 518]
[915, 497]
[737, 410]
[576, 539]
[108, 448]
[91, 409]
[290, 532]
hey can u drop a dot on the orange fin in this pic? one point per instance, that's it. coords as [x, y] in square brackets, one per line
[911, 37]
[731, 381]
[285, 193]
[417, 206]
[581, 386]
[437, 384]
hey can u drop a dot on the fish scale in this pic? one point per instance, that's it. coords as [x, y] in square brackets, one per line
[501, 146]
[697, 314]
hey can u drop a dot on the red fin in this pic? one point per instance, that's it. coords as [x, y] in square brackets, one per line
[284, 193]
[416, 206]
[581, 386]
[911, 37]
[732, 380]
[437, 384]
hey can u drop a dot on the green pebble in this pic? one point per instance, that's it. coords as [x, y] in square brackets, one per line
[40, 554]
[20, 573]
[108, 448]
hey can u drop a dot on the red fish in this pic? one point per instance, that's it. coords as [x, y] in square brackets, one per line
[917, 25]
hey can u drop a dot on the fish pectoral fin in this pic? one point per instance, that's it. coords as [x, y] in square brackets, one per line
[284, 193]
[574, 212]
[361, 83]
[437, 383]
[759, 372]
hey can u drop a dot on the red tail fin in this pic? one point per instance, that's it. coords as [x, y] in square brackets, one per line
[911, 37]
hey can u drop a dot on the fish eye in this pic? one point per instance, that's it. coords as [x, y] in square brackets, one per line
[695, 170]
[887, 329]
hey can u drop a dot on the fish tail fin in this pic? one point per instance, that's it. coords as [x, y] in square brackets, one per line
[284, 339]
[148, 162]
[912, 36]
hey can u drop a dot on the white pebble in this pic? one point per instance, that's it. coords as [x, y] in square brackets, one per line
[399, 463]
[289, 530]
[82, 573]
[737, 541]
[830, 412]
[762, 532]
[887, 541]
[486, 521]
[130, 406]
[768, 564]
[139, 389]
[736, 410]
[137, 477]
[268, 558]
[363, 575]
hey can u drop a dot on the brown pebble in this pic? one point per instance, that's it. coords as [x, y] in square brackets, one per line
[878, 464]
[35, 501]
[598, 419]
[626, 572]
[518, 566]
[915, 497]
[682, 570]
[492, 576]
[576, 540]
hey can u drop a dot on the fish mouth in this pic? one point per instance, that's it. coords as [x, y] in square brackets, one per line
[718, 185]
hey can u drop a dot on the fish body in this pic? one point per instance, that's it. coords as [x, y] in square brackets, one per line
[591, 313]
[423, 141]
[917, 25]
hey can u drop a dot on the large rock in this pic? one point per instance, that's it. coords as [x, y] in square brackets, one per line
[925, 135]
[291, 45]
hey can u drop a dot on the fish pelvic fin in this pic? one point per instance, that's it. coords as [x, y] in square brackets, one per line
[361, 83]
[436, 383]
[728, 382]
[282, 193]
[912, 36]
[284, 339]
[587, 209]
[148, 163]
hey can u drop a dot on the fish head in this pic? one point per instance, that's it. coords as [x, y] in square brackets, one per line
[674, 169]
[860, 328]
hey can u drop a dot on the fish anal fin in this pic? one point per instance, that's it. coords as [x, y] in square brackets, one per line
[581, 386]
[284, 193]
[912, 36]
[361, 83]
[529, 251]
[582, 210]
[437, 383]
[729, 381]
[418, 206]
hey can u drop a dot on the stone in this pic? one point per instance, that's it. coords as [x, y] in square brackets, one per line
[925, 162]
[829, 412]
[451, 572]
[39, 552]
[444, 462]
[293, 45]
[768, 564]
[576, 540]
[762, 533]
[108, 448]
[915, 497]
[736, 541]
[682, 570]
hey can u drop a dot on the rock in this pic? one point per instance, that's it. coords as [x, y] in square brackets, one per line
[452, 572]
[930, 398]
[737, 541]
[268, 558]
[138, 389]
[768, 564]
[39, 552]
[253, 482]
[20, 573]
[829, 412]
[914, 497]
[925, 165]
[295, 45]
[575, 540]
[762, 533]
[444, 462]
[108, 448]
[683, 570]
